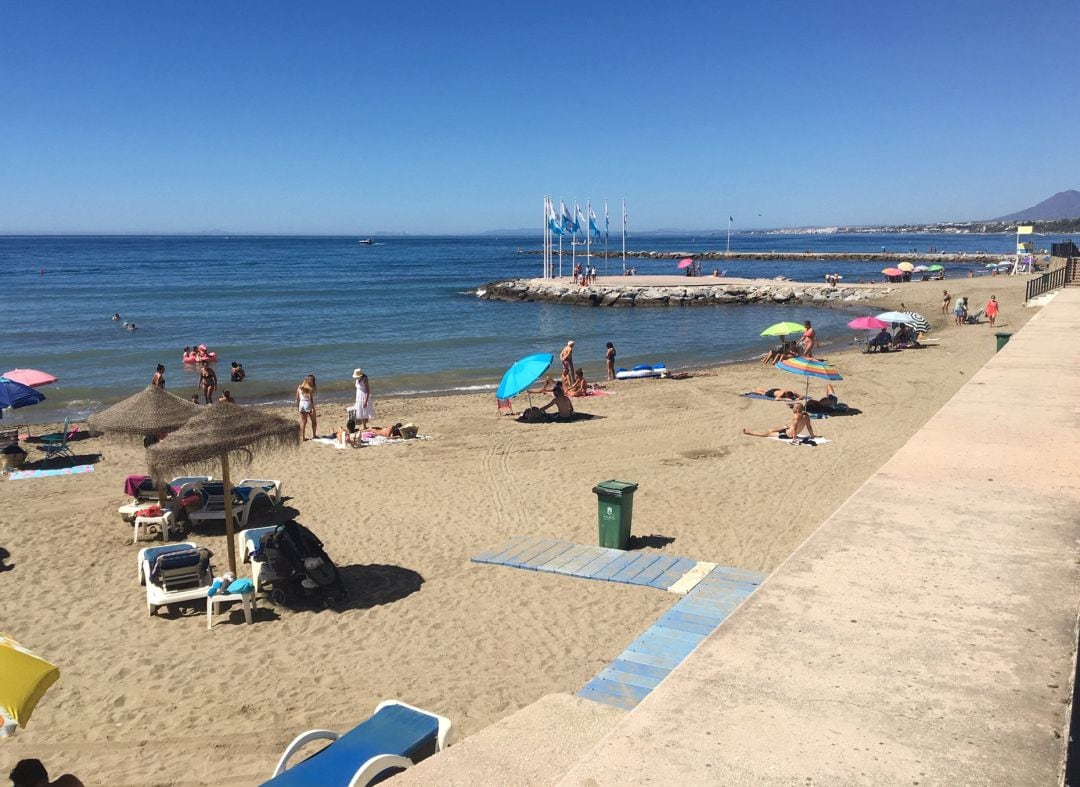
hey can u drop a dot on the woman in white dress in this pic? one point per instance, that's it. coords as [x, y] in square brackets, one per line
[362, 410]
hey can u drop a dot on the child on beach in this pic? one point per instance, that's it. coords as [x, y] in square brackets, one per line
[305, 405]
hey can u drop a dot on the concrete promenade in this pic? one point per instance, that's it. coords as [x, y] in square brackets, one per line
[924, 634]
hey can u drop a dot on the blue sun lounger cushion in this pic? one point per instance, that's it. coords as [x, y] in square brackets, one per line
[371, 748]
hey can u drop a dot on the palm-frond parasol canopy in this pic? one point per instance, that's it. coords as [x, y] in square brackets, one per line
[210, 436]
[149, 412]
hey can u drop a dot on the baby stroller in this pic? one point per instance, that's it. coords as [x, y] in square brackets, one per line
[299, 567]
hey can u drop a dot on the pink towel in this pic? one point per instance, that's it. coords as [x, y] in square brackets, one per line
[132, 484]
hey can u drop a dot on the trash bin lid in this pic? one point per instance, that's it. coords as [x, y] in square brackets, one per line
[616, 488]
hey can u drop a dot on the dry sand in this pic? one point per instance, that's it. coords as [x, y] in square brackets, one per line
[164, 701]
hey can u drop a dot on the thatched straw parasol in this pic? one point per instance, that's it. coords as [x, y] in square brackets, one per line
[210, 436]
[149, 413]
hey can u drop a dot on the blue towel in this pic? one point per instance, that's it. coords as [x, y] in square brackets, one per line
[244, 585]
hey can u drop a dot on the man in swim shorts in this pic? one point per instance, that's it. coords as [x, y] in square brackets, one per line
[560, 401]
[800, 422]
[567, 358]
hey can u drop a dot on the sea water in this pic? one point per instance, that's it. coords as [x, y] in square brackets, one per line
[404, 309]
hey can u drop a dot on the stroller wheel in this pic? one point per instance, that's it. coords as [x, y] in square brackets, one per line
[278, 596]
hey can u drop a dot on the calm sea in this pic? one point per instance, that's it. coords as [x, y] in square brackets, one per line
[404, 309]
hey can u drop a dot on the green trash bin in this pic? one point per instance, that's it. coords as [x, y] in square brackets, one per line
[1002, 340]
[615, 510]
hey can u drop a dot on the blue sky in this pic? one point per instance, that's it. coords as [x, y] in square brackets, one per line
[358, 118]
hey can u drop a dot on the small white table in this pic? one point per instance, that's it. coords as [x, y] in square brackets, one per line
[142, 524]
[247, 599]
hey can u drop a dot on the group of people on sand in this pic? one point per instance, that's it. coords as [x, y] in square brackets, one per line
[359, 413]
[803, 346]
[960, 310]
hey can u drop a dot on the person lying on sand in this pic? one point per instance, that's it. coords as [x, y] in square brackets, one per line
[386, 431]
[800, 422]
[777, 393]
[826, 404]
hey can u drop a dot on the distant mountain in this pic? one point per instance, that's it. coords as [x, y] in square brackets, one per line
[1063, 205]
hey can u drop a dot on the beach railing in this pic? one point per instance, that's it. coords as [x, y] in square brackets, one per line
[1050, 280]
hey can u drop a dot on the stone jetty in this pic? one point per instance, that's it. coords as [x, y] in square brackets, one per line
[678, 291]
[797, 256]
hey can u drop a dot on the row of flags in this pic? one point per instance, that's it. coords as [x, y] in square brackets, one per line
[561, 222]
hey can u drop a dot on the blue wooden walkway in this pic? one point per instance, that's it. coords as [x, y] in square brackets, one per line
[662, 647]
[612, 565]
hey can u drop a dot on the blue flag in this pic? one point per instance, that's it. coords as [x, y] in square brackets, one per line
[592, 223]
[607, 221]
[568, 224]
[579, 219]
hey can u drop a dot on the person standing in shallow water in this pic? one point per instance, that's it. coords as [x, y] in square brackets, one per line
[567, 358]
[809, 340]
[208, 382]
[609, 359]
[159, 377]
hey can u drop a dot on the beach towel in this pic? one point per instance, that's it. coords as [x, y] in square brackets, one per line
[330, 441]
[18, 475]
[766, 397]
[803, 440]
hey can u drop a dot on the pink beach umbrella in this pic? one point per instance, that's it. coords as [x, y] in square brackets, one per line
[30, 377]
[684, 263]
[867, 324]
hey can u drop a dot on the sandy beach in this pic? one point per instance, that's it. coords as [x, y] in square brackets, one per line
[164, 701]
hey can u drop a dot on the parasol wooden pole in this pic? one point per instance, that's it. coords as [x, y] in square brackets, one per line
[227, 485]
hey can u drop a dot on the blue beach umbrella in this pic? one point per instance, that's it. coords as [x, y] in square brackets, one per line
[522, 374]
[13, 394]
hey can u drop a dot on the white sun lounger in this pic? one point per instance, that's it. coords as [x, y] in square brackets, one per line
[172, 584]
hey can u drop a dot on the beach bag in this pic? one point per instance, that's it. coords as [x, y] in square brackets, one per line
[533, 415]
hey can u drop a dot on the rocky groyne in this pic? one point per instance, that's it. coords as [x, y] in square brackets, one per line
[679, 295]
[940, 258]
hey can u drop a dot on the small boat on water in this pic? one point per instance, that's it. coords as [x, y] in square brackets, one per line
[367, 241]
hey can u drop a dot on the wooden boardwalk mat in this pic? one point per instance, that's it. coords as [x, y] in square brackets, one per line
[648, 659]
[613, 565]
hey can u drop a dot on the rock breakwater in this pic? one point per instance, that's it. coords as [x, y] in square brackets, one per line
[676, 295]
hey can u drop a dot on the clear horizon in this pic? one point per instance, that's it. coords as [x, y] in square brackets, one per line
[125, 118]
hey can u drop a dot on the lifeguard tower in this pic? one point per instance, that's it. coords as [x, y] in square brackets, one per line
[1025, 248]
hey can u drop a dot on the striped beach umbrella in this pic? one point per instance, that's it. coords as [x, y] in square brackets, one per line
[810, 367]
[918, 322]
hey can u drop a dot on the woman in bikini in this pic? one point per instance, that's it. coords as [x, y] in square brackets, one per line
[208, 382]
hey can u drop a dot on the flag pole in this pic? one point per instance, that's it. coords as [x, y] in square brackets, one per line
[588, 235]
[624, 237]
[606, 222]
[547, 236]
[560, 239]
[573, 243]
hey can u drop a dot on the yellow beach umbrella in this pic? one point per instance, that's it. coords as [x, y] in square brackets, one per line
[26, 677]
[906, 266]
[782, 329]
